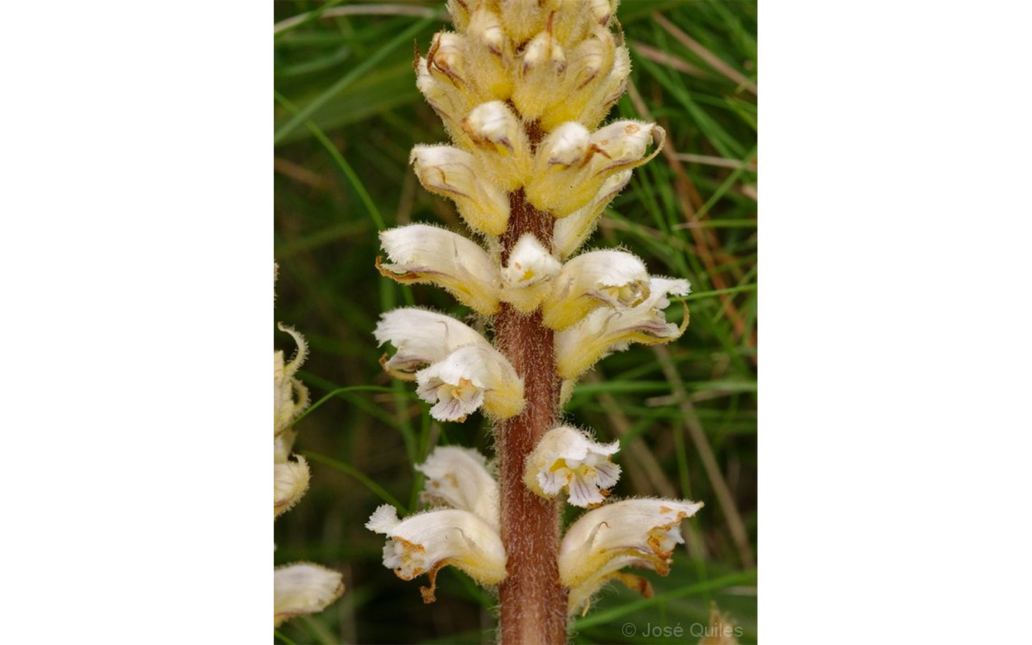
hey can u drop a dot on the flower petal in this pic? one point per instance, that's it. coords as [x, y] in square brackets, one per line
[452, 172]
[450, 102]
[467, 378]
[291, 482]
[422, 338]
[604, 331]
[291, 395]
[568, 458]
[429, 254]
[458, 477]
[589, 65]
[490, 56]
[304, 588]
[540, 72]
[428, 541]
[637, 532]
[571, 231]
[591, 280]
[610, 90]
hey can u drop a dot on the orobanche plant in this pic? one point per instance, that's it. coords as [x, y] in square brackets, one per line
[522, 87]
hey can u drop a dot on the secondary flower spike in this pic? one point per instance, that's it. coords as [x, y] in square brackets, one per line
[301, 587]
[636, 532]
[428, 541]
[567, 459]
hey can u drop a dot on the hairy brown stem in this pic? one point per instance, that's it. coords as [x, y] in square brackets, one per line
[533, 601]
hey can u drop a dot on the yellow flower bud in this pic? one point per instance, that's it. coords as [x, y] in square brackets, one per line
[540, 72]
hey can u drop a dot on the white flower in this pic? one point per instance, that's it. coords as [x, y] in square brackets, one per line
[567, 458]
[458, 478]
[468, 378]
[422, 338]
[526, 277]
[463, 373]
[571, 231]
[610, 90]
[605, 330]
[304, 588]
[428, 254]
[428, 541]
[591, 280]
[637, 532]
[291, 396]
[452, 172]
[291, 482]
[568, 173]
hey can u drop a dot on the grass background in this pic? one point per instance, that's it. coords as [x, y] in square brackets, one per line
[346, 115]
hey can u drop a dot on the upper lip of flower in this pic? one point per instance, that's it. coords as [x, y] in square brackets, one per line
[458, 477]
[636, 532]
[428, 541]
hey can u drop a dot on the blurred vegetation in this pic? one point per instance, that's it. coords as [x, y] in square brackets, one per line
[346, 115]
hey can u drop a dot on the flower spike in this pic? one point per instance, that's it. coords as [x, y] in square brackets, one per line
[302, 587]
